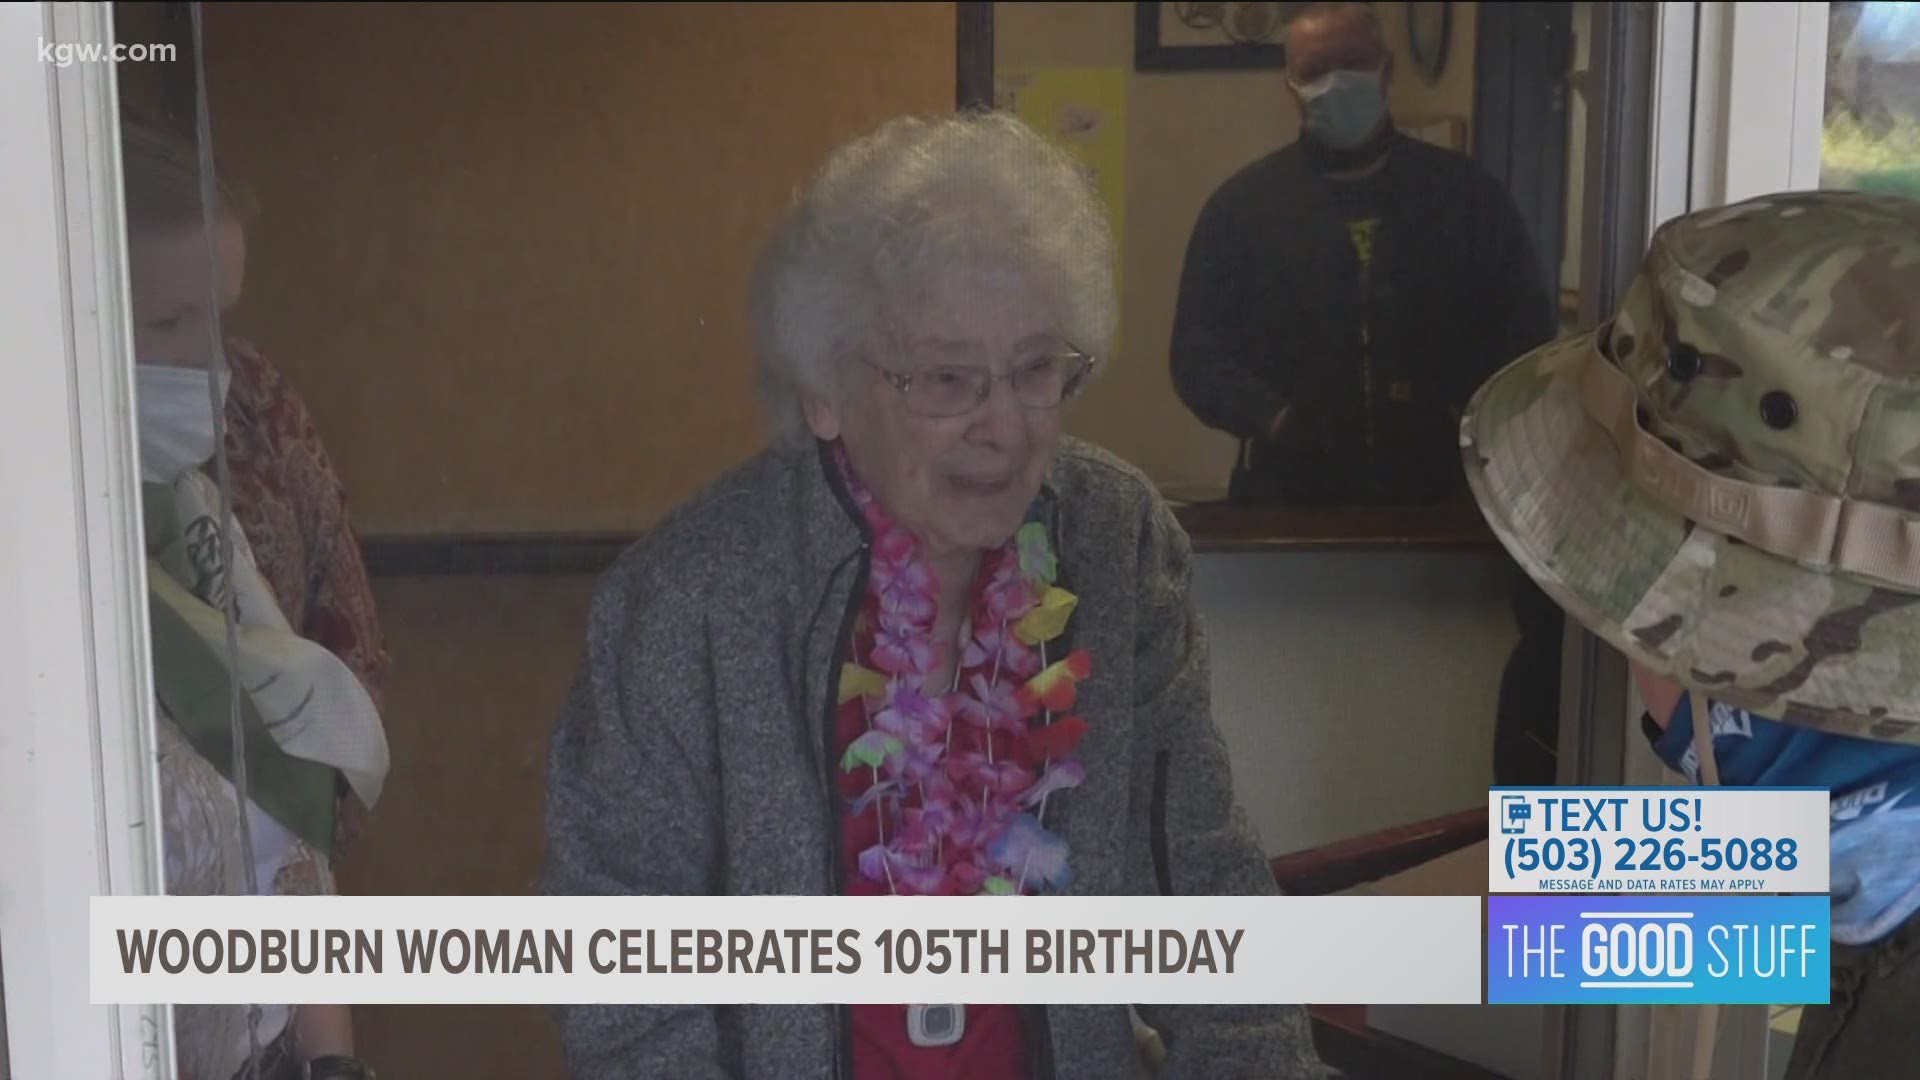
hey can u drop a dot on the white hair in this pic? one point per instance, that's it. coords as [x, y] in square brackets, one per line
[915, 201]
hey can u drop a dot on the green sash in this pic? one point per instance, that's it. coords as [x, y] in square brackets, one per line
[194, 682]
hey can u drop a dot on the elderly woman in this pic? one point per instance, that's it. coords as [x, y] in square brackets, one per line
[923, 645]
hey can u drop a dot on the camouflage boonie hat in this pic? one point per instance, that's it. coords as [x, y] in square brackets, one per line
[1724, 481]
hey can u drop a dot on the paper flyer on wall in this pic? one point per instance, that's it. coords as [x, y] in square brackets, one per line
[1085, 110]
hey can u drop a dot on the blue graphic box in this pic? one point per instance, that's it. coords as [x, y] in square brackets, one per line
[1658, 950]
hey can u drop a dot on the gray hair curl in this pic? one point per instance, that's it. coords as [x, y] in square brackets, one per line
[920, 197]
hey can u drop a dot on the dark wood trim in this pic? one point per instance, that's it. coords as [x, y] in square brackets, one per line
[438, 556]
[1344, 864]
[1220, 528]
[973, 55]
[1377, 1055]
[1214, 529]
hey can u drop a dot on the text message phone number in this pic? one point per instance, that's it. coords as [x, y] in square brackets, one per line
[1577, 854]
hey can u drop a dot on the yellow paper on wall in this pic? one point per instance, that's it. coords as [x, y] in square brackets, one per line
[1085, 111]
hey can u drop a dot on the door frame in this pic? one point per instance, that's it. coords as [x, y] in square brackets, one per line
[75, 749]
[1761, 65]
[1639, 105]
[1522, 56]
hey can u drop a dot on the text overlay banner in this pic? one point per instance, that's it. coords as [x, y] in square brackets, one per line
[785, 950]
[1657, 840]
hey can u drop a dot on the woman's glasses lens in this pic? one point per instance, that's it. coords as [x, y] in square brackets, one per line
[1039, 383]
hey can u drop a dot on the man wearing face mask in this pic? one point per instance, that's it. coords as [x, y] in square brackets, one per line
[1342, 295]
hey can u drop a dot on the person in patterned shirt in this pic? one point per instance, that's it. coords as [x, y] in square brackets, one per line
[294, 544]
[293, 508]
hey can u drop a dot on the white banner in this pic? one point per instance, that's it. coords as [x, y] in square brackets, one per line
[785, 950]
[1654, 840]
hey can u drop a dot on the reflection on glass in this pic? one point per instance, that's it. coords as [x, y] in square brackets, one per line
[262, 638]
[1313, 256]
[1343, 296]
[1315, 276]
[1872, 130]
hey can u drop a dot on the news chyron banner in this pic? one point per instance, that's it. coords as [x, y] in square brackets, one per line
[714, 950]
[1658, 896]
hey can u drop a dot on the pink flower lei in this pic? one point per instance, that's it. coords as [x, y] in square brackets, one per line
[962, 774]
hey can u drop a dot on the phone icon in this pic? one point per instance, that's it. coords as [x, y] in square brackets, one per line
[1514, 814]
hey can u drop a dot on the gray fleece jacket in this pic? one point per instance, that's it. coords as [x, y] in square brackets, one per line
[693, 758]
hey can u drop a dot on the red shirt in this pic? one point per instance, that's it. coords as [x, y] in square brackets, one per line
[994, 1043]
[293, 510]
[994, 1040]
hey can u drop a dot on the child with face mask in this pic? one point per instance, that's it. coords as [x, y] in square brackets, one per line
[286, 566]
[1719, 482]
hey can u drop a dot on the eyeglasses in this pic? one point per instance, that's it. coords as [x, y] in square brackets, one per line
[1038, 382]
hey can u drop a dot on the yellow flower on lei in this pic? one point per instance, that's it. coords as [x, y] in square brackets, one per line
[857, 681]
[1048, 618]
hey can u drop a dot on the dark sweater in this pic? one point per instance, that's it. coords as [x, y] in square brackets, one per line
[1276, 308]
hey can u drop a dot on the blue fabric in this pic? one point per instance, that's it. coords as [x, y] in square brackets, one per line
[1875, 812]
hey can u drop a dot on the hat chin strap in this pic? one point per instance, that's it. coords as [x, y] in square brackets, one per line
[1707, 1021]
[1824, 532]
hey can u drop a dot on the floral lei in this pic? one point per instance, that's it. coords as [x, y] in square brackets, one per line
[962, 774]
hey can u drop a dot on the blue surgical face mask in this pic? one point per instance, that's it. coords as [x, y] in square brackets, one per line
[176, 418]
[1344, 107]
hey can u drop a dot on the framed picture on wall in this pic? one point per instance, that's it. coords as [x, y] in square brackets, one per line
[1210, 37]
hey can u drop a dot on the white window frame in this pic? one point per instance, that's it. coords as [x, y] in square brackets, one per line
[77, 791]
[1759, 99]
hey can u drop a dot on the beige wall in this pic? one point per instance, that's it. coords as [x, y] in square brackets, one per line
[504, 248]
[480, 667]
[1186, 133]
